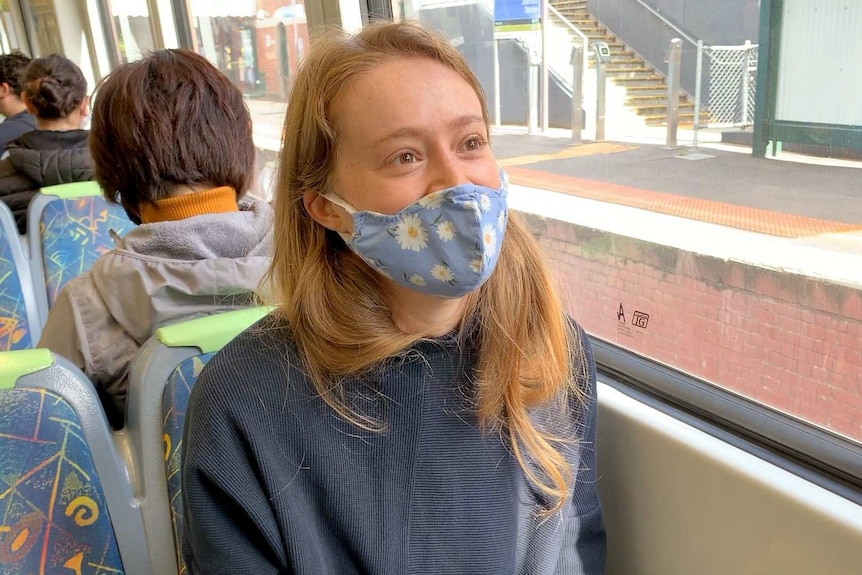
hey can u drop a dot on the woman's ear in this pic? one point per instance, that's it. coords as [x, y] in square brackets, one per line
[85, 106]
[326, 213]
[31, 109]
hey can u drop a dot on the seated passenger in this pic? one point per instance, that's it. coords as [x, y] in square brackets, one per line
[18, 120]
[418, 403]
[55, 92]
[172, 143]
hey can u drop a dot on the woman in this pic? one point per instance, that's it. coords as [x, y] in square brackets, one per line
[418, 403]
[55, 92]
[172, 143]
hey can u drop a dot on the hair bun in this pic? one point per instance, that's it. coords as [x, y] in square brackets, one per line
[54, 86]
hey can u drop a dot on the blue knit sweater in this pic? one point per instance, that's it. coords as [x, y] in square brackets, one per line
[275, 482]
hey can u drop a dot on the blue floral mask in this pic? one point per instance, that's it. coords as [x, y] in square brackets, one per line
[445, 244]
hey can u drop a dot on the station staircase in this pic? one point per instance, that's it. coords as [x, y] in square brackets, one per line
[645, 88]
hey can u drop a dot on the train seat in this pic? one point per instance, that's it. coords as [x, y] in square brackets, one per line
[68, 504]
[160, 382]
[20, 322]
[69, 228]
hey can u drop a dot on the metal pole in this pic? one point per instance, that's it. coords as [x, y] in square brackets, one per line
[744, 92]
[600, 99]
[698, 77]
[533, 99]
[544, 65]
[674, 59]
[497, 105]
[577, 92]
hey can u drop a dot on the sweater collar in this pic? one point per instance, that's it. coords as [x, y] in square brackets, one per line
[214, 201]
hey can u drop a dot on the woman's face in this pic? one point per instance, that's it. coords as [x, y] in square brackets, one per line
[405, 129]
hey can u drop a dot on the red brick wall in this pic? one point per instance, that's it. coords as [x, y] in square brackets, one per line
[267, 39]
[787, 340]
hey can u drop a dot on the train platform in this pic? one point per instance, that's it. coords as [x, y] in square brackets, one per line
[802, 216]
[790, 196]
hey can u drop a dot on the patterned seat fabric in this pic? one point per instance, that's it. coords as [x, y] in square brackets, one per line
[14, 325]
[54, 517]
[74, 233]
[174, 403]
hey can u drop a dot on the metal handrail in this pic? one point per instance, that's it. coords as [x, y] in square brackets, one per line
[655, 13]
[585, 42]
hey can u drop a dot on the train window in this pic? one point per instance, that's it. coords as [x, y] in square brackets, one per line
[131, 27]
[718, 236]
[45, 27]
[8, 31]
[258, 44]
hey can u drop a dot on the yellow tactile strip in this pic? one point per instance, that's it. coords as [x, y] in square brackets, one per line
[571, 152]
[754, 219]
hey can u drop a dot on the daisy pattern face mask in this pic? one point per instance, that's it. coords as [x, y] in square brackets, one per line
[445, 244]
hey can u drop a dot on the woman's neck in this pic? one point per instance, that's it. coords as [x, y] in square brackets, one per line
[70, 122]
[422, 314]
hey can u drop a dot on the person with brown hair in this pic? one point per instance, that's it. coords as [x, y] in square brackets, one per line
[171, 140]
[55, 92]
[418, 402]
[18, 120]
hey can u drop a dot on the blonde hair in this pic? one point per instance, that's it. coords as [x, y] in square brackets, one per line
[335, 304]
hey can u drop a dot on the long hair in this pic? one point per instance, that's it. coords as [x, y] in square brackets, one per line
[335, 304]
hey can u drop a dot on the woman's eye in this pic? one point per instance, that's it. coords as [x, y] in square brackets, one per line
[406, 158]
[474, 144]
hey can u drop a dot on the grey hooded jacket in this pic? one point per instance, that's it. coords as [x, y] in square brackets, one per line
[158, 274]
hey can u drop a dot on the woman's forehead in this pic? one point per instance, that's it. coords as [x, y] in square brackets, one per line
[403, 92]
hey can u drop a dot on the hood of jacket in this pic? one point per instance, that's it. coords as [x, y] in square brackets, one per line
[165, 271]
[49, 158]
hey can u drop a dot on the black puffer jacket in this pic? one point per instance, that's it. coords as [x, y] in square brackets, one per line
[42, 158]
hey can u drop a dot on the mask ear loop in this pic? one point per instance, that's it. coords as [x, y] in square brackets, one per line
[339, 202]
[344, 205]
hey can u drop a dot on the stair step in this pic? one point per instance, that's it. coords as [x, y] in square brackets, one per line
[650, 90]
[638, 78]
[631, 84]
[658, 109]
[653, 99]
[637, 73]
[622, 60]
[626, 69]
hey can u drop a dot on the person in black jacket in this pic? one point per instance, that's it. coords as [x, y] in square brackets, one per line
[55, 92]
[18, 120]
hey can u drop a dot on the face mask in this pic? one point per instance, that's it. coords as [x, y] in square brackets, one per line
[446, 244]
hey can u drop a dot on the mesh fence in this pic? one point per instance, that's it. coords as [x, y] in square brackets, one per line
[732, 82]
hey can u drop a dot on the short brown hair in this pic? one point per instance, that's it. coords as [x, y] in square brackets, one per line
[12, 67]
[167, 120]
[54, 86]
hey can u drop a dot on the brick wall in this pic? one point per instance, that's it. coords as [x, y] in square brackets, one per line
[787, 340]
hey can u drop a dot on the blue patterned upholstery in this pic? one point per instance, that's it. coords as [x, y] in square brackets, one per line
[14, 324]
[54, 516]
[174, 402]
[74, 233]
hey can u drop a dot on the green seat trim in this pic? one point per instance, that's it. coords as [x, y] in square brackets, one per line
[14, 364]
[211, 333]
[72, 190]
